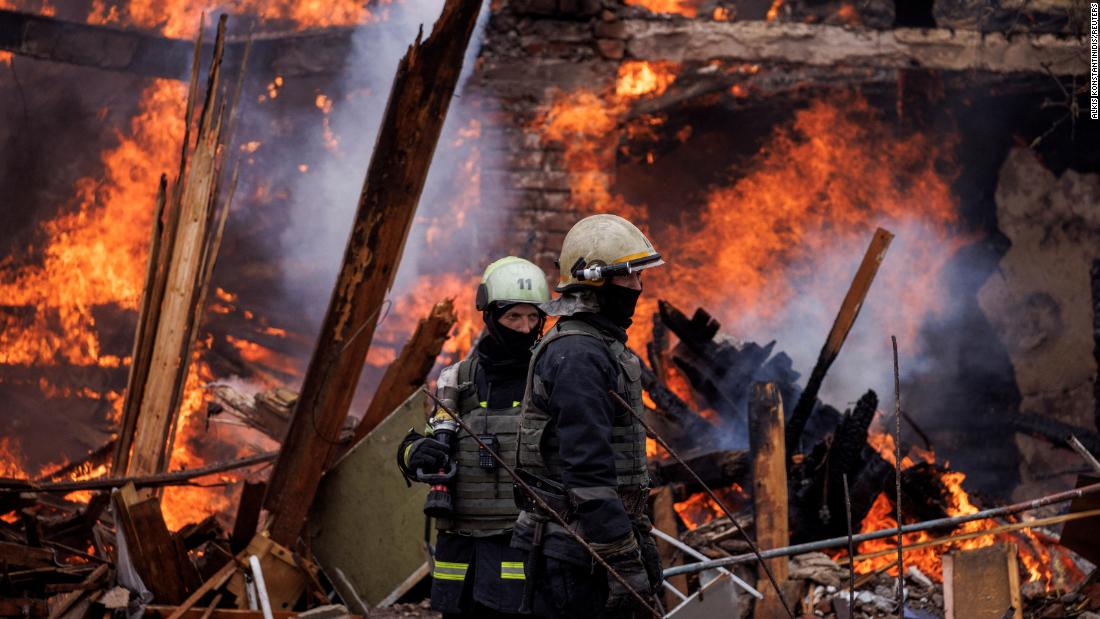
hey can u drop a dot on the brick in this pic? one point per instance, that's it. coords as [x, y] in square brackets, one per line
[610, 30]
[534, 7]
[579, 8]
[612, 49]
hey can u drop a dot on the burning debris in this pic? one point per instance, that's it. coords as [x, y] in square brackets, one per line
[223, 473]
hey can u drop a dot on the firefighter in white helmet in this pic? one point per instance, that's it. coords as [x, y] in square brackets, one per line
[475, 572]
[577, 443]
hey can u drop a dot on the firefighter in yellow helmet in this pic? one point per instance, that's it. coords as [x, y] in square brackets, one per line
[475, 572]
[577, 444]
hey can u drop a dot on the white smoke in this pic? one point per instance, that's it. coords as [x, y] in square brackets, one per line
[324, 201]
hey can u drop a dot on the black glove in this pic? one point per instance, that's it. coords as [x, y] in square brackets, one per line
[625, 558]
[651, 558]
[428, 455]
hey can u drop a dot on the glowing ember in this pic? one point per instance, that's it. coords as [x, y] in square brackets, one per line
[700, 509]
[639, 77]
[687, 8]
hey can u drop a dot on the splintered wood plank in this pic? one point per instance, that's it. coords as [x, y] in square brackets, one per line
[25, 556]
[842, 325]
[155, 611]
[248, 515]
[982, 583]
[417, 107]
[188, 250]
[664, 519]
[157, 557]
[769, 473]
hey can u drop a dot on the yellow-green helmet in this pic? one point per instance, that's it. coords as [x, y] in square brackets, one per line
[512, 280]
[600, 247]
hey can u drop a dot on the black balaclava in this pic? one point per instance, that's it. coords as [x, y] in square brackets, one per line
[617, 303]
[506, 346]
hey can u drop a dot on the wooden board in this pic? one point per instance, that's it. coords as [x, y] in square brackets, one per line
[364, 510]
[982, 583]
[769, 472]
[155, 611]
[20, 555]
[283, 573]
[157, 557]
[664, 519]
[1080, 535]
[413, 119]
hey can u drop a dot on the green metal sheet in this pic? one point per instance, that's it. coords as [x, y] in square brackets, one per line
[366, 522]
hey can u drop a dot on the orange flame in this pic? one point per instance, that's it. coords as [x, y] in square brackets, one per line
[687, 8]
[179, 18]
[700, 509]
[95, 255]
[640, 77]
[1035, 556]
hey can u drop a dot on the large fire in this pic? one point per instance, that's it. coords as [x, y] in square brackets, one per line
[768, 241]
[94, 255]
[1035, 556]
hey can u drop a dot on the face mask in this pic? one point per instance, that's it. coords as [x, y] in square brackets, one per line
[618, 303]
[519, 344]
[508, 342]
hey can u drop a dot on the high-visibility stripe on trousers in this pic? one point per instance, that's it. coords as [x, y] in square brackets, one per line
[449, 571]
[512, 570]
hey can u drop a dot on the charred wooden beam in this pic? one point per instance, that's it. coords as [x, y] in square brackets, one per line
[411, 124]
[158, 558]
[831, 46]
[689, 425]
[140, 53]
[842, 324]
[409, 371]
[15, 486]
[769, 486]
[718, 469]
[664, 519]
[1052, 430]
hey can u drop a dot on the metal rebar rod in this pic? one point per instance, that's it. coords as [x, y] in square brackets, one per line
[261, 586]
[851, 546]
[897, 469]
[671, 539]
[1084, 452]
[141, 481]
[714, 497]
[546, 507]
[670, 587]
[1004, 528]
[834, 542]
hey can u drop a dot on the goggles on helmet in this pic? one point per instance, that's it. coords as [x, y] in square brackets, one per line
[596, 272]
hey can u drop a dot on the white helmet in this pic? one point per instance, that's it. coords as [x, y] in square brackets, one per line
[600, 247]
[512, 280]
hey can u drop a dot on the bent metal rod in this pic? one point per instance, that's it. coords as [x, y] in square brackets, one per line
[835, 542]
[714, 497]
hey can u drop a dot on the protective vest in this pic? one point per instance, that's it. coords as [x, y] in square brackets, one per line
[482, 490]
[538, 452]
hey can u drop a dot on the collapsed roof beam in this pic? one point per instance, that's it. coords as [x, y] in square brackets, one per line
[831, 46]
[138, 53]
